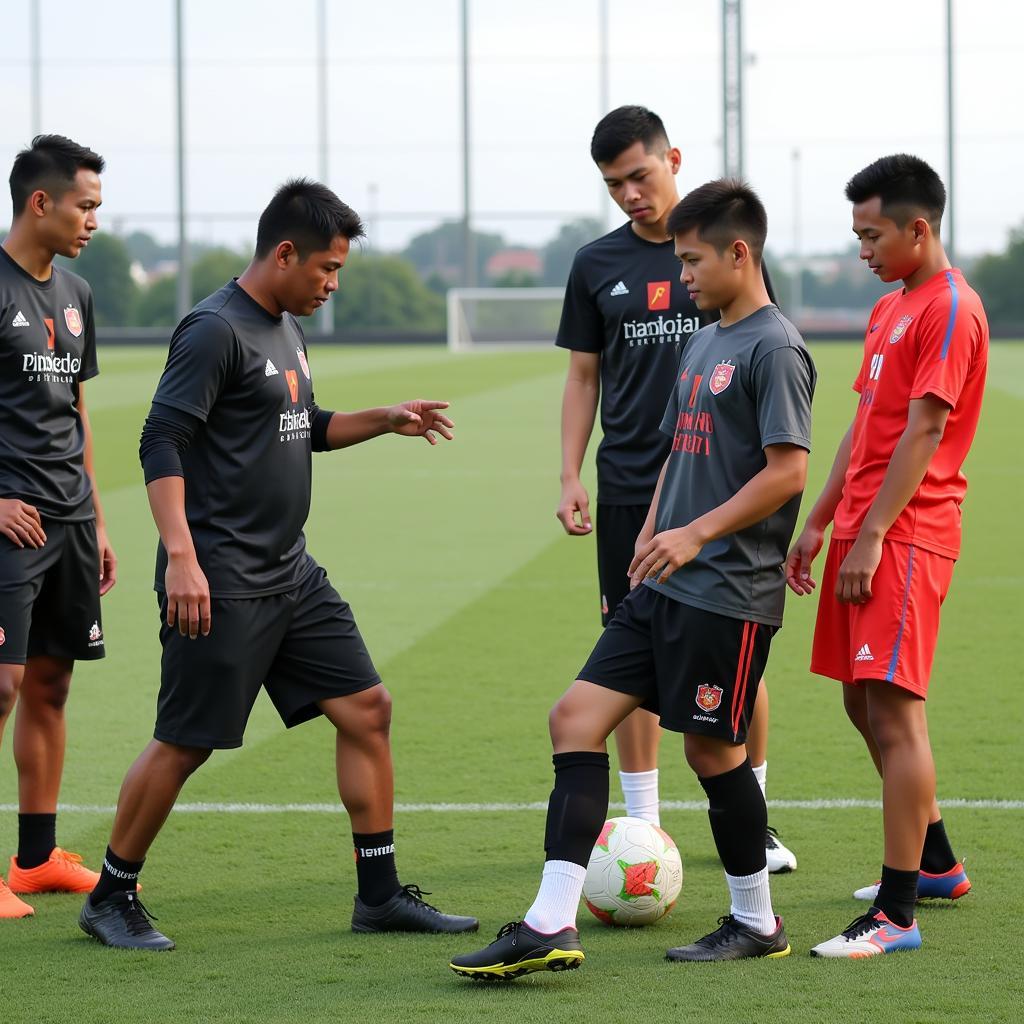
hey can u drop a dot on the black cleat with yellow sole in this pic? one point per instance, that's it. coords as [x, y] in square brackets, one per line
[518, 950]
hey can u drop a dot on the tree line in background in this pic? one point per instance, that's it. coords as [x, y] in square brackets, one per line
[134, 277]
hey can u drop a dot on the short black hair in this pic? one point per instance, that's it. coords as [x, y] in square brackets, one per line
[722, 211]
[617, 131]
[50, 164]
[905, 184]
[307, 214]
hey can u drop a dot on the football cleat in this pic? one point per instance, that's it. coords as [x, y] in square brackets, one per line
[10, 905]
[780, 859]
[407, 911]
[519, 949]
[123, 922]
[733, 941]
[870, 935]
[950, 885]
[61, 872]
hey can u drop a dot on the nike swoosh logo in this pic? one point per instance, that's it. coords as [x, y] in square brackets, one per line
[874, 328]
[884, 935]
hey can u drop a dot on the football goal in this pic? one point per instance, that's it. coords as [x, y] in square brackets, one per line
[502, 317]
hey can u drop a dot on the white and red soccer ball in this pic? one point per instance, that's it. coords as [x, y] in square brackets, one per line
[635, 873]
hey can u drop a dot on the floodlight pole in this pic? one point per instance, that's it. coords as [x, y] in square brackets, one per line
[797, 300]
[326, 315]
[183, 300]
[36, 117]
[732, 88]
[603, 92]
[468, 243]
[950, 141]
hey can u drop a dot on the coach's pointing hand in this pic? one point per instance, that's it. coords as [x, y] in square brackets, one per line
[188, 595]
[421, 418]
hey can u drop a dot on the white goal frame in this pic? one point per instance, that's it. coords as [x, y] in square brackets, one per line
[459, 334]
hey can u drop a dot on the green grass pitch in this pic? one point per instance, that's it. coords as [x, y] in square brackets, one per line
[478, 612]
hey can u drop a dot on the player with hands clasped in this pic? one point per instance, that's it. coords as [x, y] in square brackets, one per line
[55, 558]
[893, 497]
[226, 452]
[690, 641]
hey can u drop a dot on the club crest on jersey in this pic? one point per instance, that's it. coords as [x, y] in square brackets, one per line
[3, 636]
[709, 696]
[900, 329]
[293, 384]
[73, 319]
[302, 362]
[721, 378]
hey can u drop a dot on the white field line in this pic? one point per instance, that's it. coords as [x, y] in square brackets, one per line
[443, 808]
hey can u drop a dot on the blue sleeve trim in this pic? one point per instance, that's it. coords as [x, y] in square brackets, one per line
[955, 301]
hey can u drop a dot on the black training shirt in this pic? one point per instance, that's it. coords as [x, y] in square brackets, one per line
[244, 374]
[624, 300]
[47, 347]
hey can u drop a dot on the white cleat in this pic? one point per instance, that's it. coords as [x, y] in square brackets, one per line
[780, 859]
[871, 935]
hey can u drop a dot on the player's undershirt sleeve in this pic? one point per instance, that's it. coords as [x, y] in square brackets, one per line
[947, 339]
[319, 421]
[166, 434]
[202, 358]
[783, 388]
[581, 327]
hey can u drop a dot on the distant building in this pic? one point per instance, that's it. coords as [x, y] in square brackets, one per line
[518, 261]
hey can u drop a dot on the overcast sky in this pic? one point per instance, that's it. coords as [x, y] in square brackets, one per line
[842, 82]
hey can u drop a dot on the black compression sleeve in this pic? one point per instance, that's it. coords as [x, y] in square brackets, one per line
[319, 421]
[166, 433]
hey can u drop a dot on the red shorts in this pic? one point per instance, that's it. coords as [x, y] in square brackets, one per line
[893, 635]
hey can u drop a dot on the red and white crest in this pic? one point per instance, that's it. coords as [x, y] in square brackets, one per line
[74, 320]
[900, 329]
[721, 378]
[3, 636]
[709, 696]
[302, 362]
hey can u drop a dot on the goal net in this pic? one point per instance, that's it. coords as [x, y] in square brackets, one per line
[502, 317]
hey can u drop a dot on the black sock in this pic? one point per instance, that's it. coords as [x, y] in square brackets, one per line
[116, 875]
[937, 856]
[739, 819]
[376, 874]
[37, 836]
[577, 807]
[897, 895]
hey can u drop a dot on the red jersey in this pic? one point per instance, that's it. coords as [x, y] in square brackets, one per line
[930, 341]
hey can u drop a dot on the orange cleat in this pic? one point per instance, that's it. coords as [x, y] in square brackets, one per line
[62, 872]
[11, 906]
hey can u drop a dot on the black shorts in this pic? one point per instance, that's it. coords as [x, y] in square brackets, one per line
[617, 528]
[303, 646]
[697, 670]
[50, 596]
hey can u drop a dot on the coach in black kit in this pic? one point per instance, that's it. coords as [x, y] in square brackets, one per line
[226, 453]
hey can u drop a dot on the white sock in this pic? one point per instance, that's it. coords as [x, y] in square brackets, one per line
[761, 774]
[752, 901]
[558, 898]
[640, 790]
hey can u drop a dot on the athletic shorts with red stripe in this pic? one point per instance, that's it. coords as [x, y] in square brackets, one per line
[892, 636]
[697, 670]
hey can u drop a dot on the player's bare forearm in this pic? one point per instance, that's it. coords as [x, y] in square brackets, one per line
[167, 503]
[782, 478]
[647, 531]
[418, 418]
[926, 421]
[108, 560]
[579, 410]
[824, 509]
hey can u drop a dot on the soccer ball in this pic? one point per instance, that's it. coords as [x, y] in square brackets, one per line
[635, 873]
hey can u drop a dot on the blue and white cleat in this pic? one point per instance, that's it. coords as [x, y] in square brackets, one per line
[870, 935]
[950, 885]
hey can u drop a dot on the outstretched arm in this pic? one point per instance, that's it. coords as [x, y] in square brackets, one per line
[419, 418]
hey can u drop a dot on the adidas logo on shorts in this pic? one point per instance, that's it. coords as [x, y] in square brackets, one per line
[620, 289]
[271, 370]
[864, 654]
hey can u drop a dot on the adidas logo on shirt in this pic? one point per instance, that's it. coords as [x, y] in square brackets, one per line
[620, 289]
[20, 320]
[864, 654]
[271, 369]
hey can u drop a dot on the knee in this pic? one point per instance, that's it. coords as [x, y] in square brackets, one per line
[375, 717]
[10, 681]
[49, 689]
[708, 757]
[181, 762]
[855, 705]
[562, 721]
